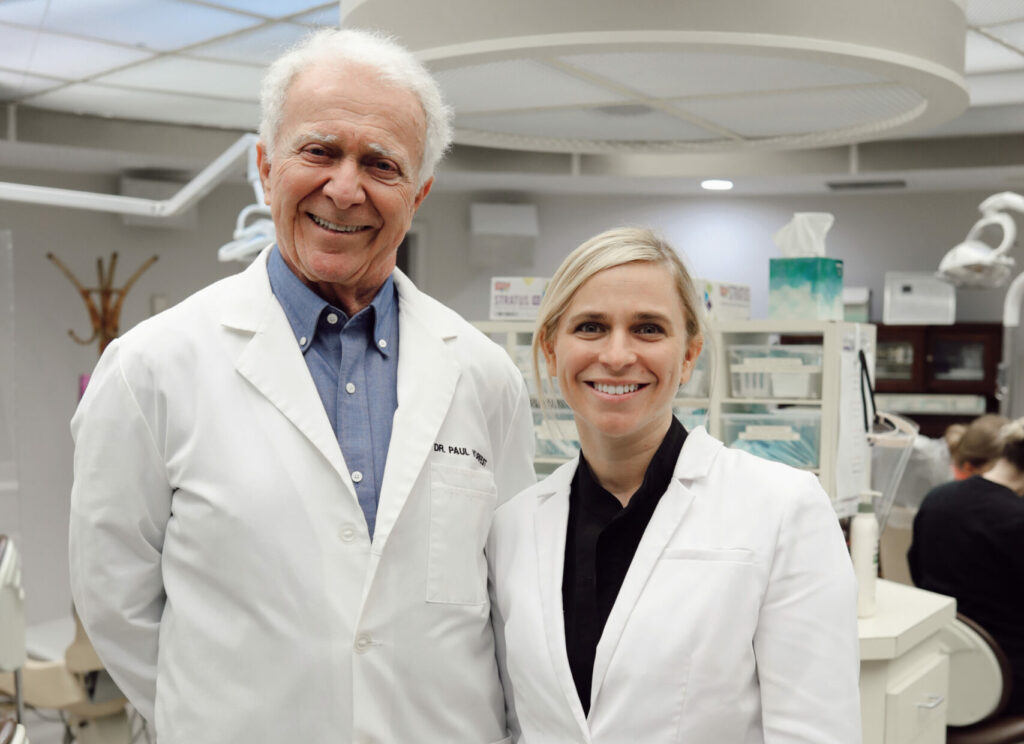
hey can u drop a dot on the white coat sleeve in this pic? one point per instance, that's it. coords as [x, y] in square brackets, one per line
[806, 645]
[513, 469]
[500, 649]
[120, 506]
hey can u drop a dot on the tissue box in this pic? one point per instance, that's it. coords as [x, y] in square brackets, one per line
[808, 288]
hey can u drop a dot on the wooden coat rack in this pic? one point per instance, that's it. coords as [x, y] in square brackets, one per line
[105, 316]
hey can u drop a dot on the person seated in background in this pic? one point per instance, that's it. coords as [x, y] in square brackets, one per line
[968, 543]
[974, 448]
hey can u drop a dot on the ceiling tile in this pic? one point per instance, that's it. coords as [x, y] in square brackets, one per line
[523, 83]
[676, 74]
[329, 17]
[589, 124]
[1012, 34]
[182, 75]
[988, 12]
[153, 24]
[61, 56]
[271, 8]
[982, 120]
[982, 54]
[260, 46]
[997, 88]
[167, 107]
[805, 112]
[16, 85]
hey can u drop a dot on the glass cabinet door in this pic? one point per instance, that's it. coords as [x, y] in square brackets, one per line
[958, 359]
[894, 360]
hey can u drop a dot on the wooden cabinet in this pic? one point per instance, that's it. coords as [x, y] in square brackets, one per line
[960, 359]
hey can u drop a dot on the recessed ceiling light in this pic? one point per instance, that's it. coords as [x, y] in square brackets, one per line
[716, 184]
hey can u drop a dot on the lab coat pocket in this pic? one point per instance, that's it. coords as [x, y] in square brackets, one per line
[462, 505]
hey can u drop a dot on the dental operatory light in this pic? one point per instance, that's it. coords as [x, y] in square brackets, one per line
[973, 262]
[716, 184]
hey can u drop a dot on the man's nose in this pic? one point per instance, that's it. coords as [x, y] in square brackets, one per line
[344, 185]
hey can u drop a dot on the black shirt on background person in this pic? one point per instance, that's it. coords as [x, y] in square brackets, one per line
[601, 539]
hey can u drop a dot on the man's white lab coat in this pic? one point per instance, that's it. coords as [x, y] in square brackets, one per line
[221, 562]
[736, 622]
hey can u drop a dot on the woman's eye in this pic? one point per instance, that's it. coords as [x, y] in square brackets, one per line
[588, 327]
[650, 329]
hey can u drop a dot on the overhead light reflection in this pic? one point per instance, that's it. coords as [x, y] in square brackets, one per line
[716, 184]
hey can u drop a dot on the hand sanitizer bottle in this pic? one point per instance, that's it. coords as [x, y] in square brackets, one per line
[864, 551]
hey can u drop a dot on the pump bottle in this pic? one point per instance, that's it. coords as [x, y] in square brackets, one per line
[864, 551]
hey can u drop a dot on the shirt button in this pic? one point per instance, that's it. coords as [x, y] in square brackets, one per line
[357, 476]
[348, 533]
[383, 343]
[350, 388]
[302, 341]
[363, 644]
[332, 318]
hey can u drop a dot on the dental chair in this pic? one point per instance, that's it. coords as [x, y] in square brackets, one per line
[12, 732]
[77, 685]
[980, 682]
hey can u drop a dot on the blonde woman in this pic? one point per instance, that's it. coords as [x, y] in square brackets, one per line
[662, 587]
[974, 448]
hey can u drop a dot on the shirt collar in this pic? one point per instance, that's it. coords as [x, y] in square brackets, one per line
[303, 307]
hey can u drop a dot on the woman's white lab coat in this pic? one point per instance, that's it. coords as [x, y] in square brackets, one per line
[221, 562]
[736, 622]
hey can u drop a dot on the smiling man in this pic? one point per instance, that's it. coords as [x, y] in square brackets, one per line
[283, 484]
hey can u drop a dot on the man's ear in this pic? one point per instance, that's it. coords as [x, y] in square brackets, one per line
[422, 193]
[263, 162]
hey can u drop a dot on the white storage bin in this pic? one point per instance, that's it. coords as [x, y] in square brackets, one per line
[792, 436]
[763, 371]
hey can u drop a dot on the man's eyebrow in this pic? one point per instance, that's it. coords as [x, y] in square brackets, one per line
[315, 137]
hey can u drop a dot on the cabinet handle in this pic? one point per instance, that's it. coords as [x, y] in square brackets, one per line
[934, 701]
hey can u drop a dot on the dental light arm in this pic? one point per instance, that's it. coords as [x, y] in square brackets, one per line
[185, 198]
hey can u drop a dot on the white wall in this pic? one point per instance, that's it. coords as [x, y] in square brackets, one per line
[724, 238]
[48, 362]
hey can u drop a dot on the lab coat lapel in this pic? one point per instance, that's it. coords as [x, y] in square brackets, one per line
[550, 522]
[694, 462]
[427, 378]
[273, 363]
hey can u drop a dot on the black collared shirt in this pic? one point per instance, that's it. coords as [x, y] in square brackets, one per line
[600, 543]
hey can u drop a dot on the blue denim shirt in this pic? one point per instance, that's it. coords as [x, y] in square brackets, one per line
[354, 364]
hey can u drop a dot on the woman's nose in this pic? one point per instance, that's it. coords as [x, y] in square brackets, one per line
[618, 352]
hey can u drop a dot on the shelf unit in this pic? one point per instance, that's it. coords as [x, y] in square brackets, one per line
[840, 379]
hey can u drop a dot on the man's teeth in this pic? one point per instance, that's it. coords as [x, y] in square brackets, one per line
[615, 389]
[336, 228]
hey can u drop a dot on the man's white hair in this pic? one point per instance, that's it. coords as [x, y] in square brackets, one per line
[352, 47]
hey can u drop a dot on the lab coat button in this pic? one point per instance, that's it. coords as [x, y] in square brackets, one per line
[357, 476]
[363, 644]
[348, 533]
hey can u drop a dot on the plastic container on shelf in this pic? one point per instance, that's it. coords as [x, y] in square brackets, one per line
[783, 371]
[556, 433]
[791, 436]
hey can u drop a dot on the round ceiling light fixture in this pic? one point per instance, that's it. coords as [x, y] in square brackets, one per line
[606, 76]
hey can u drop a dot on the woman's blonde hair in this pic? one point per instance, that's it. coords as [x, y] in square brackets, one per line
[980, 443]
[615, 247]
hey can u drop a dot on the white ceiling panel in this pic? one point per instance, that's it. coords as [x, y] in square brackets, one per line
[260, 46]
[982, 120]
[130, 104]
[154, 24]
[982, 55]
[1012, 34]
[805, 112]
[182, 75]
[670, 75]
[61, 56]
[589, 124]
[329, 16]
[270, 8]
[996, 88]
[14, 85]
[517, 83]
[988, 12]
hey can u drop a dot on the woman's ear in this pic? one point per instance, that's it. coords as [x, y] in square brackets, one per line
[693, 350]
[548, 349]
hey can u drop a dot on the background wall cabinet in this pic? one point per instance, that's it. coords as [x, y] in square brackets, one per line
[958, 360]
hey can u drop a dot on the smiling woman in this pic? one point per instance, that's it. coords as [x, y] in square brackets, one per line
[661, 587]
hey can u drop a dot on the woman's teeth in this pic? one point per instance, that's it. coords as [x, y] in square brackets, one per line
[335, 228]
[615, 389]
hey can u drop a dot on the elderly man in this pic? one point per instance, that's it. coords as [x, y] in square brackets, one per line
[283, 484]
